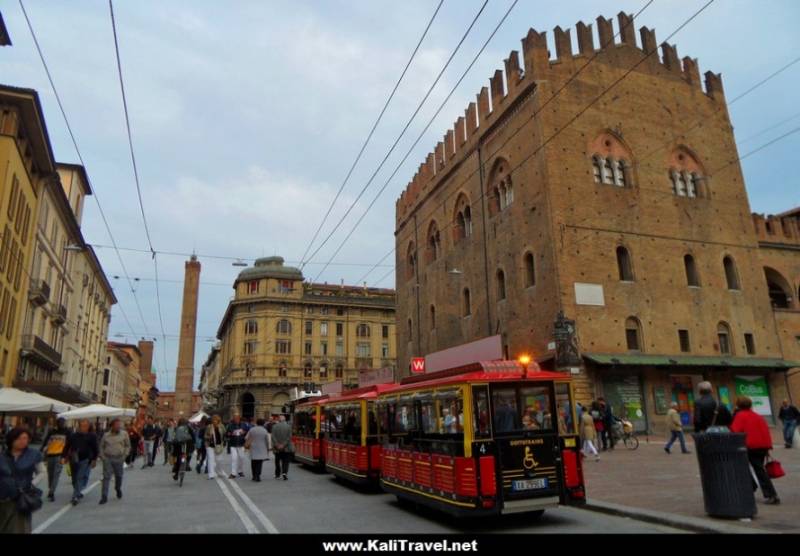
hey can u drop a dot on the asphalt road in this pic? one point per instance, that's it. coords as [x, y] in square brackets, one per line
[309, 502]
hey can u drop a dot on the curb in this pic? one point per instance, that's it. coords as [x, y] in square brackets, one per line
[694, 524]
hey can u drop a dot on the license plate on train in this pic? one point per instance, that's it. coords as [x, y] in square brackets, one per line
[529, 484]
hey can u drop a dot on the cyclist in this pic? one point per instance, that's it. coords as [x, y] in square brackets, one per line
[182, 446]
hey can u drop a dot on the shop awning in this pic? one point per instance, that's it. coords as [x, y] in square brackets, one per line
[689, 361]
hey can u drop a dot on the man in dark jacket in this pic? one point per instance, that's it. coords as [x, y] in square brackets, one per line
[81, 452]
[707, 412]
[608, 423]
[789, 415]
[235, 433]
[53, 450]
[149, 436]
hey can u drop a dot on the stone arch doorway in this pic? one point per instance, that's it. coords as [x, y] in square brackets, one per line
[248, 406]
[278, 401]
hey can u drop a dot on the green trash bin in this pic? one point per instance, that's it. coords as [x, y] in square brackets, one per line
[725, 474]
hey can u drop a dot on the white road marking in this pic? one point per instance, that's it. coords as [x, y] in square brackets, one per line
[52, 519]
[248, 524]
[268, 525]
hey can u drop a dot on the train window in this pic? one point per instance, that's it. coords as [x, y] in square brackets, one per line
[383, 416]
[564, 406]
[372, 420]
[536, 415]
[481, 412]
[506, 413]
[405, 419]
[352, 422]
[427, 413]
[451, 412]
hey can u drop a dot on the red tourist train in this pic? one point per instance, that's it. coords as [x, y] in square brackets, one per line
[486, 438]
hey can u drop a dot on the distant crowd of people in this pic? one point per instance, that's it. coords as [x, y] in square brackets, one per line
[597, 427]
[118, 447]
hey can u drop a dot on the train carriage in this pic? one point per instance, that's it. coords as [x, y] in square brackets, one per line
[349, 424]
[487, 438]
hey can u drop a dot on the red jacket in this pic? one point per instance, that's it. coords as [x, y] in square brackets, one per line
[755, 428]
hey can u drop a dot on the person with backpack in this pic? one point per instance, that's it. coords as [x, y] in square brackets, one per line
[182, 444]
[166, 439]
[52, 448]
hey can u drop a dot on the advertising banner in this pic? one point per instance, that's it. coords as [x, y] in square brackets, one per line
[755, 388]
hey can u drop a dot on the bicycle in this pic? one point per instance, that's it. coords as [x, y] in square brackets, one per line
[182, 464]
[623, 432]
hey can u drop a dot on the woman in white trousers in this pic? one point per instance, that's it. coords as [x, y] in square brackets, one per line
[215, 444]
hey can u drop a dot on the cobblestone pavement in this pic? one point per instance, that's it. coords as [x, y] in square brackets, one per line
[649, 478]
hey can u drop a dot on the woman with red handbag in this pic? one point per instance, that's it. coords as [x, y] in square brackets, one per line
[758, 441]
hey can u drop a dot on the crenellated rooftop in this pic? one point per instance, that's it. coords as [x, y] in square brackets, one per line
[507, 88]
[782, 228]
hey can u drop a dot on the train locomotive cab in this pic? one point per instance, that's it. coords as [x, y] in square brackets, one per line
[307, 437]
[489, 438]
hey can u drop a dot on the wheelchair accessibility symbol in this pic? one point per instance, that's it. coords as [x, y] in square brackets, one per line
[528, 462]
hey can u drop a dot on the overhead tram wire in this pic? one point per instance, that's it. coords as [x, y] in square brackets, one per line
[221, 257]
[369, 136]
[382, 278]
[376, 265]
[572, 78]
[136, 175]
[80, 158]
[418, 139]
[402, 133]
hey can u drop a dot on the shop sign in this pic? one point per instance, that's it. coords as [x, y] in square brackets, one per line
[755, 388]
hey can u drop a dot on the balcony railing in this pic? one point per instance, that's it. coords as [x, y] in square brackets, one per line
[39, 292]
[38, 350]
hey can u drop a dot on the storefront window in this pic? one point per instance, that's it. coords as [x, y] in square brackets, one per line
[624, 394]
[683, 390]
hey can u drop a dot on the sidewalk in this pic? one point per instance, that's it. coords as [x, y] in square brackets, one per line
[651, 482]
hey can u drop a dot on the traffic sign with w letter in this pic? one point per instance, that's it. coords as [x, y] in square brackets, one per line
[417, 365]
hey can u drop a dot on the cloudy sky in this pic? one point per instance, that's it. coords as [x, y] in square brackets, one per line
[246, 116]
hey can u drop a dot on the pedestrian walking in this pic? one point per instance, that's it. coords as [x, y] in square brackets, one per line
[200, 445]
[589, 435]
[166, 439]
[182, 444]
[18, 497]
[156, 442]
[133, 438]
[53, 448]
[235, 434]
[709, 413]
[607, 416]
[675, 428]
[149, 435]
[789, 415]
[282, 447]
[759, 443]
[214, 437]
[114, 447]
[81, 452]
[257, 441]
